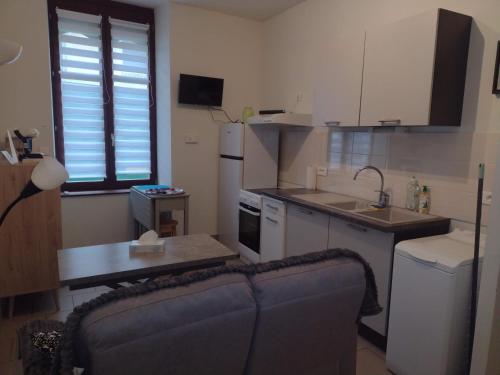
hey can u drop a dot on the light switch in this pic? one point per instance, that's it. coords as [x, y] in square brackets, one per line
[487, 197]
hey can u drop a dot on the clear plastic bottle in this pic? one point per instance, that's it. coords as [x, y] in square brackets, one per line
[412, 194]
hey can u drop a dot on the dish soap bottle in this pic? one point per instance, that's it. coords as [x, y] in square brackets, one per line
[424, 202]
[412, 194]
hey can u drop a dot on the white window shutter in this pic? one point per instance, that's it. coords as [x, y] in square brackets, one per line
[131, 99]
[80, 55]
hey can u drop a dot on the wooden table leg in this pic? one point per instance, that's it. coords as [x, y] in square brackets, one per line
[186, 216]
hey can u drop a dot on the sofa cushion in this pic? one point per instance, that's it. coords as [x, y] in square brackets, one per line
[307, 315]
[201, 328]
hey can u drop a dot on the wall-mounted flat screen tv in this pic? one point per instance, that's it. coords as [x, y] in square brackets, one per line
[200, 90]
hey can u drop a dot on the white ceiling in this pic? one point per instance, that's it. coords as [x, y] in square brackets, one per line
[255, 9]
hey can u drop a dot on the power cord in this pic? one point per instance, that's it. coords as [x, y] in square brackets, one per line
[212, 109]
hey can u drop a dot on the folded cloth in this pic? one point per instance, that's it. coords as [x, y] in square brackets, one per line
[38, 343]
[65, 358]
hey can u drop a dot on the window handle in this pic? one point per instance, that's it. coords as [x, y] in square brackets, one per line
[113, 139]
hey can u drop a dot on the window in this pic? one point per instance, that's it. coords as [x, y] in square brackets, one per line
[102, 56]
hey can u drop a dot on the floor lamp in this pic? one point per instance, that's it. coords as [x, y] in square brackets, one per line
[48, 174]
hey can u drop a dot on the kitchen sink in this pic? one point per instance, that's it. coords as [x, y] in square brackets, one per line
[349, 206]
[393, 215]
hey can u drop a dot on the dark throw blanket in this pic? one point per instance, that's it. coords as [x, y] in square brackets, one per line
[63, 360]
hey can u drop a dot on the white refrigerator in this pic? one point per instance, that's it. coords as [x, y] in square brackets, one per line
[248, 159]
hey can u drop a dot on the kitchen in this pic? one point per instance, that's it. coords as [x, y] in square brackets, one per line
[363, 104]
[368, 112]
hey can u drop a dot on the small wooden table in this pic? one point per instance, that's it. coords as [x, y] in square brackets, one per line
[146, 209]
[110, 265]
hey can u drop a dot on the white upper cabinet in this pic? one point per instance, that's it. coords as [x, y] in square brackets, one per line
[338, 78]
[414, 71]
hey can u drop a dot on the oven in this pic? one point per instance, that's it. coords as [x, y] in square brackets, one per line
[249, 225]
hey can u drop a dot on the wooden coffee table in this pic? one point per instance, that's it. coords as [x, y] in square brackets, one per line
[111, 264]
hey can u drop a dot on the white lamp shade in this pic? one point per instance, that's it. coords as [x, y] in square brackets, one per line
[9, 51]
[49, 174]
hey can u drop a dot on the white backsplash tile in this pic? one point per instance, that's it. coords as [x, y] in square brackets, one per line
[447, 162]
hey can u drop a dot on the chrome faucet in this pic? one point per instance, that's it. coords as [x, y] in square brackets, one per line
[383, 198]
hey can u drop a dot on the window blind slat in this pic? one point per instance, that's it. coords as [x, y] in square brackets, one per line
[129, 35]
[132, 80]
[141, 58]
[75, 41]
[79, 27]
[80, 50]
[69, 52]
[81, 65]
[131, 98]
[125, 47]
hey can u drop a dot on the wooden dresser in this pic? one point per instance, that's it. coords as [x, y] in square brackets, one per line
[30, 235]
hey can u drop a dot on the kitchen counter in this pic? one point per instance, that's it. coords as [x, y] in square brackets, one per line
[432, 225]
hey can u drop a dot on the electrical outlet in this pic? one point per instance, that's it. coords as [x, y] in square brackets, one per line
[487, 197]
[322, 171]
[191, 139]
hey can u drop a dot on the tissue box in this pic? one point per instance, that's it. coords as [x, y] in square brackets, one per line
[137, 248]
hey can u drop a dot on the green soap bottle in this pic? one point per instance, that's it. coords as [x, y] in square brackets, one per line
[424, 201]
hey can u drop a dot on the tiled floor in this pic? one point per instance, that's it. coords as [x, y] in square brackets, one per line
[370, 361]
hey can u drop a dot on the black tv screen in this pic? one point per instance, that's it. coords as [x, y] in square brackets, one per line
[200, 90]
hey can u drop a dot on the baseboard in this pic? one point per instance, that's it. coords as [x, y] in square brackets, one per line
[373, 337]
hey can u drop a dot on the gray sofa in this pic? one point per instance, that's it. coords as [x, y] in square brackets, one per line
[297, 316]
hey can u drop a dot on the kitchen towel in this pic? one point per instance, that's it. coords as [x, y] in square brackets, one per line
[311, 177]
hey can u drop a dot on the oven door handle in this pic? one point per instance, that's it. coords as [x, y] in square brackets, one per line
[249, 212]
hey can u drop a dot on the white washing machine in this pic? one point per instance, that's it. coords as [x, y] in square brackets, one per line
[430, 297]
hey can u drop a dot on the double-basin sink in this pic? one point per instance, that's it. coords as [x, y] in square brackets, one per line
[363, 208]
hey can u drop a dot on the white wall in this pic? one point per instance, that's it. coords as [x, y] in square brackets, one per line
[203, 42]
[210, 44]
[25, 102]
[446, 161]
[25, 94]
[163, 118]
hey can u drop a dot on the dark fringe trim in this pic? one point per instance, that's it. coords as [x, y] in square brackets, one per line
[65, 357]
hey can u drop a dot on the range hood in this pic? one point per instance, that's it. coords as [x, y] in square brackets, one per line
[282, 119]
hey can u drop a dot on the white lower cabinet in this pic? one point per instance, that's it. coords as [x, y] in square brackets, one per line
[272, 233]
[306, 230]
[376, 248]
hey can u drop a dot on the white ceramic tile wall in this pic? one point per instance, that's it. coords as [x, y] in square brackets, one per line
[446, 162]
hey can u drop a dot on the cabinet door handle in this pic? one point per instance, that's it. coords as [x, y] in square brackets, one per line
[249, 212]
[357, 227]
[271, 220]
[272, 207]
[307, 212]
[332, 123]
[390, 121]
